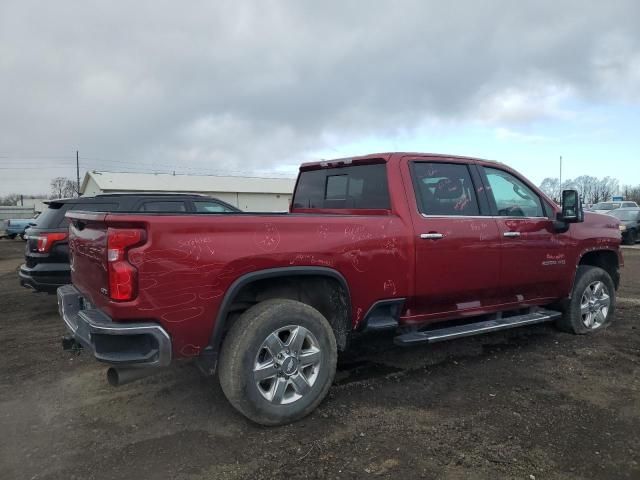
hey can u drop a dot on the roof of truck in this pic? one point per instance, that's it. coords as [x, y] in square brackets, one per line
[386, 156]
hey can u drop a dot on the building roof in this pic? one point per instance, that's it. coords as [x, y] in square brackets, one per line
[165, 182]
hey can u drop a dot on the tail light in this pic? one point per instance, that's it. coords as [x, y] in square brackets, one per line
[122, 275]
[46, 240]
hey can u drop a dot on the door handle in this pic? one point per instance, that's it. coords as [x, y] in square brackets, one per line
[431, 236]
[511, 234]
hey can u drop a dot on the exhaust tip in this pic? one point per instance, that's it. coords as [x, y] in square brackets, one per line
[121, 376]
[112, 377]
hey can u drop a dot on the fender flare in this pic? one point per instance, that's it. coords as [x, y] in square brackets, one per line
[586, 251]
[221, 317]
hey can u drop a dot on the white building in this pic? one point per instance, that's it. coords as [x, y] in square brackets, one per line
[252, 194]
[37, 204]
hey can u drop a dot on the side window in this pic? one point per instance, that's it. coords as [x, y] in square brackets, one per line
[445, 189]
[513, 198]
[210, 207]
[163, 206]
[362, 186]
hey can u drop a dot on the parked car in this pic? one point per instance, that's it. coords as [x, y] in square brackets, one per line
[629, 224]
[427, 247]
[606, 207]
[17, 227]
[46, 264]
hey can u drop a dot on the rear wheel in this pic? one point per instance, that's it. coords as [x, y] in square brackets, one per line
[592, 302]
[278, 361]
[12, 236]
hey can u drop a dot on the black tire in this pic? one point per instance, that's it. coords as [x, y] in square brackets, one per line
[630, 238]
[574, 320]
[12, 236]
[23, 236]
[245, 342]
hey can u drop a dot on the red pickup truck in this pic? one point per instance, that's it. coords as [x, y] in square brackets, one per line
[429, 247]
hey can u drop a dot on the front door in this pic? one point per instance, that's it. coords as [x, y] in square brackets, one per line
[533, 257]
[457, 243]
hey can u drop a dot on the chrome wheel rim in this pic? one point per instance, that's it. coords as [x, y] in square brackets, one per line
[594, 305]
[287, 364]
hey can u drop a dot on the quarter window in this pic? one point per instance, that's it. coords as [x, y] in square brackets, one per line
[211, 207]
[160, 206]
[513, 198]
[444, 189]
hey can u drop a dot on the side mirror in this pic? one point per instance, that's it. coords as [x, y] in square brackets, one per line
[572, 211]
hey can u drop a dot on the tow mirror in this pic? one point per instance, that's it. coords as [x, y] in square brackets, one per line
[572, 211]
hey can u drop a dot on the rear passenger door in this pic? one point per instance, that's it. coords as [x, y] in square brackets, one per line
[457, 245]
[534, 264]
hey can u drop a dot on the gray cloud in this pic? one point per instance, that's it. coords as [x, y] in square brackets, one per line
[235, 86]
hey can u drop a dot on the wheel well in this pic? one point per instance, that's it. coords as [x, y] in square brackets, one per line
[605, 259]
[325, 294]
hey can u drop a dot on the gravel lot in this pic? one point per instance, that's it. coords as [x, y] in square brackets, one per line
[527, 403]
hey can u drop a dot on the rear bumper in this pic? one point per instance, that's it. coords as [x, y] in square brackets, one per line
[116, 343]
[45, 277]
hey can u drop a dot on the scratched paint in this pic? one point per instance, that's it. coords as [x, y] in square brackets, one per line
[267, 238]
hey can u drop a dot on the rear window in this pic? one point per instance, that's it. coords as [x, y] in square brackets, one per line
[50, 217]
[358, 187]
[88, 207]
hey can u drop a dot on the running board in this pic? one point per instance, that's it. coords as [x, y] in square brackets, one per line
[477, 328]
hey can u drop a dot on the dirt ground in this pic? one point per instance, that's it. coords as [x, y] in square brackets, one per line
[528, 403]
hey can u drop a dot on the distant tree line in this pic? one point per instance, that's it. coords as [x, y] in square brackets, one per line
[592, 189]
[61, 187]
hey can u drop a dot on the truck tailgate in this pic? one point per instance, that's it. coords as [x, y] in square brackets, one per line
[88, 254]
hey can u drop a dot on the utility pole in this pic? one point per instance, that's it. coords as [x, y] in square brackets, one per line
[78, 171]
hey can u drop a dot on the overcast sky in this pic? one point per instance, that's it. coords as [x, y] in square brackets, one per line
[258, 87]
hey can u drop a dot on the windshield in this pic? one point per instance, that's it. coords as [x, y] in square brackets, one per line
[625, 214]
[606, 206]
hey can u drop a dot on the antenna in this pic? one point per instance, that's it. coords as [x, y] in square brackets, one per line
[560, 176]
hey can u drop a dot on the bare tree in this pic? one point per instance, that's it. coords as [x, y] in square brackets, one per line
[10, 200]
[586, 185]
[631, 193]
[605, 189]
[551, 186]
[62, 187]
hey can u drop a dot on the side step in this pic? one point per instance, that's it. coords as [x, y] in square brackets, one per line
[466, 330]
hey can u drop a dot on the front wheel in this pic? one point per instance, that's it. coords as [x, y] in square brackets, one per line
[278, 361]
[592, 302]
[631, 238]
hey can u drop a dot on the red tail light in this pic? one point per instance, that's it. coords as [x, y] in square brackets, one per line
[46, 240]
[122, 275]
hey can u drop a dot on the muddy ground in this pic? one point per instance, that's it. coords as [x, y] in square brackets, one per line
[532, 402]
